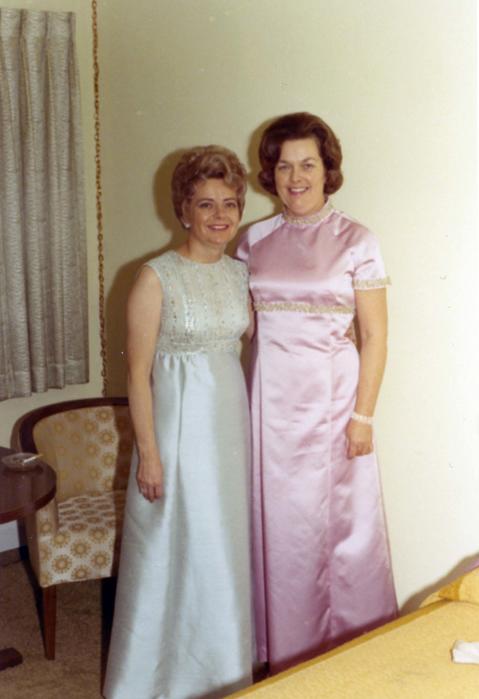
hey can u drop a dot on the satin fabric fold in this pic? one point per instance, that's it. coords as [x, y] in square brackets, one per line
[322, 571]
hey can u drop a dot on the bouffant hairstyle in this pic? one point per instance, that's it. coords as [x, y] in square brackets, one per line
[203, 163]
[292, 127]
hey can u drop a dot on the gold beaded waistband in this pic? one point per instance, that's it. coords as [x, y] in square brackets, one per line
[302, 307]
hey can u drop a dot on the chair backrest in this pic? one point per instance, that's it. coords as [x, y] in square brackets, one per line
[88, 443]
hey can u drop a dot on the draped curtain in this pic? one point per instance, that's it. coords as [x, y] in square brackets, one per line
[43, 282]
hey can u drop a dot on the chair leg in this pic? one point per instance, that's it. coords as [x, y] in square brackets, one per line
[49, 610]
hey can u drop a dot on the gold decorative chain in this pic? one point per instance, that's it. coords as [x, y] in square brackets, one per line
[99, 210]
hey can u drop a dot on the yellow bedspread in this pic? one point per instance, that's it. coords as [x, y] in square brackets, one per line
[408, 659]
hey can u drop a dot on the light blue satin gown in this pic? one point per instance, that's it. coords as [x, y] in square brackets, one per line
[182, 625]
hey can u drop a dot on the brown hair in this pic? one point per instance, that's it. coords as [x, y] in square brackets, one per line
[203, 163]
[291, 127]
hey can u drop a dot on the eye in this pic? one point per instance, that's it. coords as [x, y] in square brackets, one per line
[282, 167]
[204, 205]
[232, 204]
[308, 166]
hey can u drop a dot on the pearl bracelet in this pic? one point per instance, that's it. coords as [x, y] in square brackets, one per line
[364, 419]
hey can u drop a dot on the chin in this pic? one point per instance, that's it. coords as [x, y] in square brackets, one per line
[298, 210]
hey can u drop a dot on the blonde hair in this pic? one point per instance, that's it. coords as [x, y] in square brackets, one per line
[203, 163]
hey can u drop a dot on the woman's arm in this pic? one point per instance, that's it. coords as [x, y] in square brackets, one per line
[143, 323]
[372, 319]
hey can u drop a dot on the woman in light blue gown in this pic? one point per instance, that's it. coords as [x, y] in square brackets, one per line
[182, 623]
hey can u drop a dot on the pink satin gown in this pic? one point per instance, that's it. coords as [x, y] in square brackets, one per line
[322, 571]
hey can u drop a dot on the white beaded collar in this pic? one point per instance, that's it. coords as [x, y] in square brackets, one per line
[309, 220]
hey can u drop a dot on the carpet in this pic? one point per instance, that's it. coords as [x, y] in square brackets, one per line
[83, 626]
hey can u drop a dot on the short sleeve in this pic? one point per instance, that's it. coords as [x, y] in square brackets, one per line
[369, 270]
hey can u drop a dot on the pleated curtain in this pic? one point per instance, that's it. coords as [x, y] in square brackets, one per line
[43, 279]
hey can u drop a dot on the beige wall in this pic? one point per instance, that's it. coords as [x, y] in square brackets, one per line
[396, 80]
[10, 410]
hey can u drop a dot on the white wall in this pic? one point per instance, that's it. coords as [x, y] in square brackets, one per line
[396, 79]
[10, 410]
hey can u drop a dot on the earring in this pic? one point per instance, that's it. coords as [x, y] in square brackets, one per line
[186, 225]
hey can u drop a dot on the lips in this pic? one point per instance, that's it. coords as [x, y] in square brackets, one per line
[295, 191]
[220, 227]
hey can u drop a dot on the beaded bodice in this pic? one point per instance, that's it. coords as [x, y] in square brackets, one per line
[205, 306]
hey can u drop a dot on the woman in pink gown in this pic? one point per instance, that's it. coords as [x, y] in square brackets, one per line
[321, 556]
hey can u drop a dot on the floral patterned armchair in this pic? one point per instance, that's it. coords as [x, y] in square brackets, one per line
[77, 535]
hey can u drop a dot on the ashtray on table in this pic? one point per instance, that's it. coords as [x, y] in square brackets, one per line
[21, 461]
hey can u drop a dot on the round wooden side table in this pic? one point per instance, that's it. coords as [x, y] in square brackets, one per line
[21, 494]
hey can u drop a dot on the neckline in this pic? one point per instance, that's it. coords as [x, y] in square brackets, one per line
[196, 262]
[312, 218]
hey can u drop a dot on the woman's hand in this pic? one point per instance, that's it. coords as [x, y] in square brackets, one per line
[359, 439]
[149, 477]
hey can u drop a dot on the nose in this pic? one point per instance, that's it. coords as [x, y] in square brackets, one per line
[220, 210]
[295, 173]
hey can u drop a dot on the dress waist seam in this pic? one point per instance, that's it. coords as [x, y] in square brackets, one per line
[202, 350]
[300, 307]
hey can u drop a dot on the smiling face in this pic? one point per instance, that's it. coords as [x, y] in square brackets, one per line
[299, 177]
[212, 216]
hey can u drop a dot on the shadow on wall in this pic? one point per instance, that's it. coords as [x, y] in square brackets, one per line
[467, 564]
[115, 307]
[254, 167]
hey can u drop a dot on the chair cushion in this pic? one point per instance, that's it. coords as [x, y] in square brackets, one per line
[87, 541]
